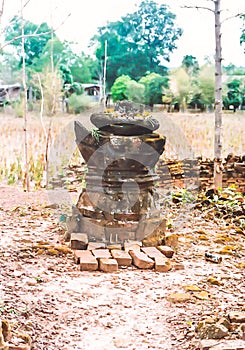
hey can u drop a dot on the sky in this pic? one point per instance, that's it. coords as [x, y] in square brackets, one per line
[86, 16]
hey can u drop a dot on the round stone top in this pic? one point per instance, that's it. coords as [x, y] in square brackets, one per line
[128, 119]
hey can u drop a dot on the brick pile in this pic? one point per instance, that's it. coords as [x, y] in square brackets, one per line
[95, 256]
[199, 172]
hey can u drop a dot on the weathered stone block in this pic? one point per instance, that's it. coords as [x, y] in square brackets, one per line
[166, 250]
[95, 245]
[94, 229]
[87, 261]
[141, 260]
[101, 253]
[108, 265]
[152, 252]
[122, 257]
[162, 264]
[151, 231]
[79, 241]
[133, 245]
[81, 253]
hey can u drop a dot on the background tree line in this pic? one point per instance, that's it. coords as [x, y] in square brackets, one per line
[138, 45]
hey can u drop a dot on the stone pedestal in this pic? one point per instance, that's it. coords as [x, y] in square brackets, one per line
[120, 192]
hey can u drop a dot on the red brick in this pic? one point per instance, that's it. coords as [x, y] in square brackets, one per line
[80, 253]
[135, 245]
[152, 252]
[101, 253]
[95, 245]
[141, 260]
[79, 241]
[122, 257]
[88, 262]
[166, 250]
[108, 265]
[162, 264]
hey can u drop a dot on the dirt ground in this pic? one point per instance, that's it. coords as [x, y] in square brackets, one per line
[54, 306]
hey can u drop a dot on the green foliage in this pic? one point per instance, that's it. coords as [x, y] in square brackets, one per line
[206, 83]
[119, 88]
[135, 91]
[154, 87]
[78, 103]
[182, 196]
[144, 38]
[234, 94]
[190, 64]
[36, 38]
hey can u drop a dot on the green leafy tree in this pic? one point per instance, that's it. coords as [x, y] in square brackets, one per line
[144, 38]
[206, 84]
[119, 88]
[36, 38]
[190, 64]
[154, 88]
[135, 91]
[181, 87]
[233, 97]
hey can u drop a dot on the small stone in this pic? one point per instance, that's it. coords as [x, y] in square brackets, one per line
[166, 250]
[178, 297]
[108, 265]
[31, 281]
[237, 316]
[79, 241]
[141, 260]
[171, 240]
[178, 266]
[211, 331]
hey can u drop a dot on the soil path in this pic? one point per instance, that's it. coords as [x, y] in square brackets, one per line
[46, 297]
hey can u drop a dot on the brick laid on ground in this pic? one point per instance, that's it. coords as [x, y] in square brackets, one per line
[152, 252]
[166, 250]
[95, 245]
[213, 344]
[123, 258]
[162, 264]
[80, 253]
[132, 245]
[79, 241]
[88, 262]
[101, 253]
[141, 260]
[108, 265]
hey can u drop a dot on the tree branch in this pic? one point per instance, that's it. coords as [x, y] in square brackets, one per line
[198, 7]
[35, 34]
[228, 18]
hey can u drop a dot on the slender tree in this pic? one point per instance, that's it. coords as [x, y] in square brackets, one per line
[216, 10]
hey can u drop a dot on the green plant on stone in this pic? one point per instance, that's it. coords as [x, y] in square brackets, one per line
[96, 134]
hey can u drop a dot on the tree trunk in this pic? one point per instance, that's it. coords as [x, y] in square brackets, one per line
[26, 126]
[218, 100]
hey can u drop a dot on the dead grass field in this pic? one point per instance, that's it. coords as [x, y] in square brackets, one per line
[188, 135]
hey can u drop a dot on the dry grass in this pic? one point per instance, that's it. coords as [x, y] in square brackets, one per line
[188, 135]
